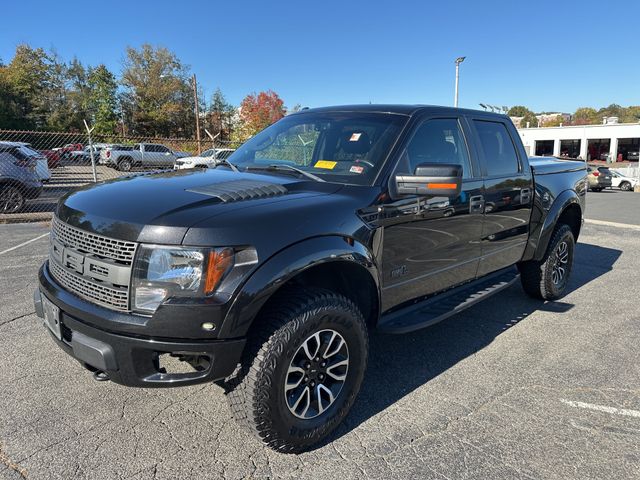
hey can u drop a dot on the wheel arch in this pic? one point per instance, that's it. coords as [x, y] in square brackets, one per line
[336, 263]
[566, 209]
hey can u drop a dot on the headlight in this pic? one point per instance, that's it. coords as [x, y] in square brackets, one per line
[163, 272]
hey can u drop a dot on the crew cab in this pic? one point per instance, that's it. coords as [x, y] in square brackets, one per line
[266, 273]
[126, 157]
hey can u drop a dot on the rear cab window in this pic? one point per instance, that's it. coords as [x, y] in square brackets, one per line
[501, 158]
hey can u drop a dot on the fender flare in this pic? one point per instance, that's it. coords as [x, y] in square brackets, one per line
[540, 241]
[285, 265]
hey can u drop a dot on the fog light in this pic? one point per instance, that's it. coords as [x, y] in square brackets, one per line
[208, 326]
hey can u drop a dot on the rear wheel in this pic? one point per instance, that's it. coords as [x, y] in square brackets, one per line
[302, 369]
[625, 186]
[547, 279]
[125, 165]
[11, 199]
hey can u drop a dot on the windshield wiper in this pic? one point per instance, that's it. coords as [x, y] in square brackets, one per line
[227, 163]
[284, 167]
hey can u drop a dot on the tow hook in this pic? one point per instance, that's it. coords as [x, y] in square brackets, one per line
[100, 376]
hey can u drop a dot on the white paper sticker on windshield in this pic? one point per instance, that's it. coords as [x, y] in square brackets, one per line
[355, 137]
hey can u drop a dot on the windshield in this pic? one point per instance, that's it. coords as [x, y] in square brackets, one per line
[208, 153]
[345, 147]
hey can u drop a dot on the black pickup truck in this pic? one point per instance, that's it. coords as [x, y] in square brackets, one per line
[265, 273]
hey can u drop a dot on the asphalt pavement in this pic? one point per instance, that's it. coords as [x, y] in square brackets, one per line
[511, 388]
[614, 206]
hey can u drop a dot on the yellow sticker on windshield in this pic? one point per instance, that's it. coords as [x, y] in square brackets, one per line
[325, 164]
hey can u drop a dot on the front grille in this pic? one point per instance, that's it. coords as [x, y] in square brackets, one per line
[101, 247]
[72, 268]
[101, 294]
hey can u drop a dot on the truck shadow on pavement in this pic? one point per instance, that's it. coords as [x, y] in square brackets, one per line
[399, 364]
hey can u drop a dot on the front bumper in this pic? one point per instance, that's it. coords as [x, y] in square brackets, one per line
[132, 360]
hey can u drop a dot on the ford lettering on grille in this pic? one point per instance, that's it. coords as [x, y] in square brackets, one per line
[91, 266]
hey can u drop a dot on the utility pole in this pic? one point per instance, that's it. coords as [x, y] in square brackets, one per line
[459, 60]
[195, 97]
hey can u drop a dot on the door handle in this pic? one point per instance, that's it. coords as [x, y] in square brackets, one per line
[525, 196]
[476, 204]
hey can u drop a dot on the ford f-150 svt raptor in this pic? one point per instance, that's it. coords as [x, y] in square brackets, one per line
[265, 273]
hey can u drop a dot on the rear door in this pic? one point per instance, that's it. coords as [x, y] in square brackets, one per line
[432, 243]
[152, 155]
[508, 193]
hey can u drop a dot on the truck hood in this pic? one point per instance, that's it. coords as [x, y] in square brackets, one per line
[160, 208]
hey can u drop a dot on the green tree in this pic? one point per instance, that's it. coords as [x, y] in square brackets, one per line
[631, 114]
[157, 97]
[103, 100]
[530, 119]
[518, 111]
[220, 115]
[585, 116]
[27, 81]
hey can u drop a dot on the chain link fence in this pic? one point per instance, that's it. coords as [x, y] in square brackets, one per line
[37, 168]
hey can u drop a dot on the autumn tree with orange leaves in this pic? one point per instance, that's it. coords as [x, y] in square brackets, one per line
[257, 112]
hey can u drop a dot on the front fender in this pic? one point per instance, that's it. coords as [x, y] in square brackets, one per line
[285, 265]
[546, 223]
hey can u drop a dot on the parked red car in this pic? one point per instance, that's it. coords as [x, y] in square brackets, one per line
[53, 158]
[68, 148]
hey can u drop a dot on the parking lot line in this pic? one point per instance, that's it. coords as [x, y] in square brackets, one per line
[612, 224]
[602, 408]
[24, 243]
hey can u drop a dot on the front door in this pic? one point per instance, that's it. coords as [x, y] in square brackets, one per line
[432, 243]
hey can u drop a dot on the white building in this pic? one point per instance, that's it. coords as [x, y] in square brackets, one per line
[611, 141]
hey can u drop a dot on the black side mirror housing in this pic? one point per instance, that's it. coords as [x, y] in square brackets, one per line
[434, 179]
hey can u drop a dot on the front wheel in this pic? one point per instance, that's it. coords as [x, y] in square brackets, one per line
[302, 369]
[11, 199]
[625, 186]
[547, 279]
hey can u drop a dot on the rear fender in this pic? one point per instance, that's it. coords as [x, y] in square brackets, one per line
[546, 218]
[284, 266]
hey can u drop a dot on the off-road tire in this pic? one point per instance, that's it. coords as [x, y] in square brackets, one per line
[537, 276]
[256, 390]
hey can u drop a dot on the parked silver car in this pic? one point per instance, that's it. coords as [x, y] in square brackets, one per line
[18, 178]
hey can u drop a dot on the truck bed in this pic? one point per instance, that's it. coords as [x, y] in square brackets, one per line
[549, 165]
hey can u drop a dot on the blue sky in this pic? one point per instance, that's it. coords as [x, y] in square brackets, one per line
[547, 55]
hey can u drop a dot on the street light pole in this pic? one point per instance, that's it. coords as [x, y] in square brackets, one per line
[195, 97]
[459, 60]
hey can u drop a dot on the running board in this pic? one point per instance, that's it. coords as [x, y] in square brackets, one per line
[444, 305]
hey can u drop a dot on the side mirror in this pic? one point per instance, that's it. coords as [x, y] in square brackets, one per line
[436, 179]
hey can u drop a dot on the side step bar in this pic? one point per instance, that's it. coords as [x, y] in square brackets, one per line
[444, 305]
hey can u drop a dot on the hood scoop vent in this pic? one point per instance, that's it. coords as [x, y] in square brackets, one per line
[238, 190]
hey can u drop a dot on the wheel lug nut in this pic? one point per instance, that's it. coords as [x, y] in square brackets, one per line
[313, 384]
[317, 359]
[307, 365]
[306, 379]
[323, 364]
[321, 377]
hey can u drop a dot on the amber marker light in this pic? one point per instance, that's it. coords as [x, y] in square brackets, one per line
[442, 186]
[220, 262]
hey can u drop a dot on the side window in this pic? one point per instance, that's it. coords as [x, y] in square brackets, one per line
[438, 141]
[499, 152]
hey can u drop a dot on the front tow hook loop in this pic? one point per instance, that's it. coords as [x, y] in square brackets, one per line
[100, 376]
